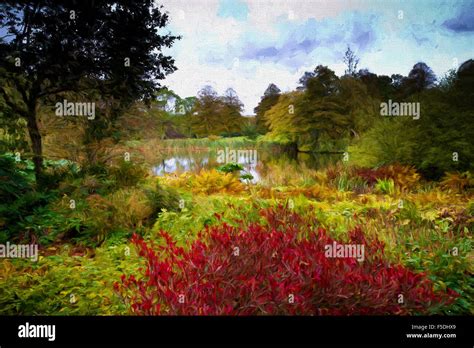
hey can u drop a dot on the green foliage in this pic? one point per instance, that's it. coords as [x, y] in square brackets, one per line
[230, 167]
[216, 115]
[21, 204]
[127, 173]
[439, 141]
[376, 148]
[268, 100]
[250, 130]
[328, 110]
[163, 198]
[24, 90]
[69, 281]
[246, 176]
[385, 186]
[281, 119]
[444, 132]
[409, 212]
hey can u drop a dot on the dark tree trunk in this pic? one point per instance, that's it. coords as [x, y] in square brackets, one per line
[36, 143]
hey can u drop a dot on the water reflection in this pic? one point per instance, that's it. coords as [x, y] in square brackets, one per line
[183, 161]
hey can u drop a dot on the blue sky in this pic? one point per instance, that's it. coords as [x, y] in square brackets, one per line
[247, 44]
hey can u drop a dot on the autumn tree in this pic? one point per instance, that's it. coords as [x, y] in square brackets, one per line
[206, 112]
[217, 115]
[327, 111]
[269, 99]
[420, 77]
[110, 49]
[231, 117]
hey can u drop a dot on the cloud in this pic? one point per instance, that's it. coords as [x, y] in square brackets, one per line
[303, 42]
[247, 44]
[463, 21]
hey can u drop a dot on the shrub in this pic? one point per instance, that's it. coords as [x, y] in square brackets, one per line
[230, 167]
[162, 198]
[208, 182]
[125, 210]
[375, 148]
[405, 178]
[20, 201]
[277, 267]
[385, 186]
[457, 182]
[127, 173]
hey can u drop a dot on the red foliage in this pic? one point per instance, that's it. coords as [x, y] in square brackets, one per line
[370, 175]
[402, 175]
[274, 263]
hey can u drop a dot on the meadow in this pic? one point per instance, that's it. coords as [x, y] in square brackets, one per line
[140, 243]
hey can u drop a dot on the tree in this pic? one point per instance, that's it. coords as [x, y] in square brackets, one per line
[380, 87]
[184, 105]
[328, 113]
[110, 49]
[351, 60]
[447, 82]
[206, 112]
[216, 115]
[440, 141]
[272, 90]
[166, 100]
[269, 99]
[280, 119]
[323, 83]
[464, 85]
[420, 78]
[397, 80]
[231, 111]
[303, 81]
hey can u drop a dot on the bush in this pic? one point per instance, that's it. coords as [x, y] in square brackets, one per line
[405, 178]
[123, 210]
[207, 182]
[385, 186]
[127, 173]
[388, 141]
[458, 182]
[161, 198]
[230, 167]
[278, 267]
[20, 201]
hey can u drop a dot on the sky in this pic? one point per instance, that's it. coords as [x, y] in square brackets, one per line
[248, 44]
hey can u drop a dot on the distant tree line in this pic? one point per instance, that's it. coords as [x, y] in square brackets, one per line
[331, 113]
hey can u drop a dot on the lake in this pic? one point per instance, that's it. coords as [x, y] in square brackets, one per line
[255, 160]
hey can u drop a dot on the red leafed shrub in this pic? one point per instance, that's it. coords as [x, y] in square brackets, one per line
[369, 175]
[405, 177]
[272, 268]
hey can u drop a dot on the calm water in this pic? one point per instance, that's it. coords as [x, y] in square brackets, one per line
[254, 160]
